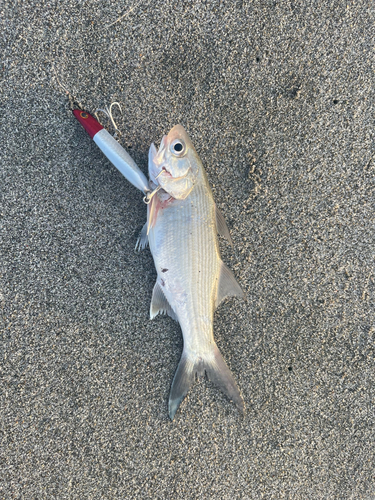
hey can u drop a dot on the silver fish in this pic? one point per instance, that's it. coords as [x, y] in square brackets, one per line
[192, 280]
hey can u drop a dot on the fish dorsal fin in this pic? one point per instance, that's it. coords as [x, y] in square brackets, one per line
[159, 304]
[142, 240]
[228, 286]
[221, 226]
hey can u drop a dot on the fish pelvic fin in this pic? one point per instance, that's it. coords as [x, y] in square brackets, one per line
[217, 372]
[142, 240]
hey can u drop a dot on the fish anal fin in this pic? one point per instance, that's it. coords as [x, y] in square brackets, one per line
[221, 226]
[159, 304]
[228, 286]
[142, 240]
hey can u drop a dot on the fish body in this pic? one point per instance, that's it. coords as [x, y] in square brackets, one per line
[191, 277]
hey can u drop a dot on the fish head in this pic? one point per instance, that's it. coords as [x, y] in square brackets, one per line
[175, 165]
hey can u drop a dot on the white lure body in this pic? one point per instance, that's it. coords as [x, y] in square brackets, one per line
[117, 155]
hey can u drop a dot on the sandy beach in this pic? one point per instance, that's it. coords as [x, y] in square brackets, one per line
[279, 101]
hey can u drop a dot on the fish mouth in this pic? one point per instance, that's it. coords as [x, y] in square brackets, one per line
[164, 172]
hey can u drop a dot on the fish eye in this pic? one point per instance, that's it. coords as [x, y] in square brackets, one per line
[177, 147]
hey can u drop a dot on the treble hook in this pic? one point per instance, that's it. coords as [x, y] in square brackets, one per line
[108, 112]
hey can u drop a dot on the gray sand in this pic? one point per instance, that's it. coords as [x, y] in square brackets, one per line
[278, 98]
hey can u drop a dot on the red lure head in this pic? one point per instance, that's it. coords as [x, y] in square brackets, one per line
[88, 122]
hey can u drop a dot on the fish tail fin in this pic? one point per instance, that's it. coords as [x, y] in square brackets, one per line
[217, 372]
[183, 380]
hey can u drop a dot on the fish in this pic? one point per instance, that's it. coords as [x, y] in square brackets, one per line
[183, 223]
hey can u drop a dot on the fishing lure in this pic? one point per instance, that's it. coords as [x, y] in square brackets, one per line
[115, 153]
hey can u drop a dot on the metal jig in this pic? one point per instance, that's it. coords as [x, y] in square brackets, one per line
[108, 112]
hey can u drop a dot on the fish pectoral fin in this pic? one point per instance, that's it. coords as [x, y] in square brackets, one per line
[142, 240]
[152, 212]
[221, 226]
[228, 286]
[159, 304]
